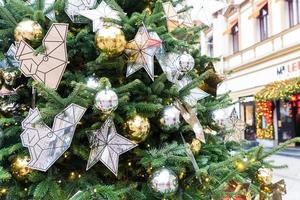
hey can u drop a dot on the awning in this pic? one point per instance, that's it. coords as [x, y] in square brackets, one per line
[257, 8]
[231, 24]
[279, 90]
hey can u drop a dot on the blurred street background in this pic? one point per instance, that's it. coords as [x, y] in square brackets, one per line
[291, 175]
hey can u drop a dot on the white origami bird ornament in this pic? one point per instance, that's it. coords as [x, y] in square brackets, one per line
[48, 67]
[46, 145]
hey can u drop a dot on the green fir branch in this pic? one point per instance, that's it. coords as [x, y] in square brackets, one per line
[4, 152]
[4, 175]
[8, 17]
[279, 148]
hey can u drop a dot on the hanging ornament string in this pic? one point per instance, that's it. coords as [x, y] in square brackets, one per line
[191, 156]
[33, 101]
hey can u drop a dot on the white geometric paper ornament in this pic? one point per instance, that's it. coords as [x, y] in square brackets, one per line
[10, 54]
[190, 116]
[141, 51]
[195, 94]
[168, 61]
[170, 64]
[46, 145]
[107, 145]
[174, 19]
[236, 125]
[73, 7]
[98, 15]
[48, 67]
[48, 4]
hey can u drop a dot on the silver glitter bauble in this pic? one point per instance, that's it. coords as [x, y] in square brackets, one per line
[186, 62]
[106, 100]
[170, 117]
[164, 181]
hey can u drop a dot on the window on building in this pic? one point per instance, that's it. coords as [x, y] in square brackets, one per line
[235, 38]
[263, 22]
[293, 12]
[210, 46]
[249, 119]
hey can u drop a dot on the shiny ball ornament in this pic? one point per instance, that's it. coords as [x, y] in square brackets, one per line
[138, 128]
[195, 146]
[264, 176]
[28, 30]
[110, 40]
[240, 166]
[19, 167]
[186, 62]
[164, 181]
[170, 117]
[106, 101]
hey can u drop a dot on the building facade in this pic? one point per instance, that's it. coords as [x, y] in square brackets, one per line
[258, 43]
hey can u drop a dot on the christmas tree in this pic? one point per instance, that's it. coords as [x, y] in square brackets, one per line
[112, 100]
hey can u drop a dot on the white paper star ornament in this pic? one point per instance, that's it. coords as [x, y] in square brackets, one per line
[141, 51]
[195, 94]
[73, 7]
[99, 14]
[107, 145]
[174, 19]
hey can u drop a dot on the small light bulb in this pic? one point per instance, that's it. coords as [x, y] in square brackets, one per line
[3, 190]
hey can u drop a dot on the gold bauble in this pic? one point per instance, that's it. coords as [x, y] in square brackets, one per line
[28, 30]
[240, 166]
[264, 176]
[19, 167]
[138, 128]
[195, 146]
[3, 191]
[132, 57]
[110, 40]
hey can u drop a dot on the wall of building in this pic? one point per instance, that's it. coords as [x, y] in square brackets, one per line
[256, 63]
[255, 58]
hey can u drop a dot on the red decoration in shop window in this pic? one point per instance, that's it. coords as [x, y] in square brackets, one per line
[295, 100]
[264, 117]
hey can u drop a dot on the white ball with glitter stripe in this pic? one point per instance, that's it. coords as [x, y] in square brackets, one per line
[107, 101]
[164, 181]
[170, 117]
[186, 63]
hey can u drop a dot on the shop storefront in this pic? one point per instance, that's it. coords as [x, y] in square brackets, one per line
[268, 95]
[278, 111]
